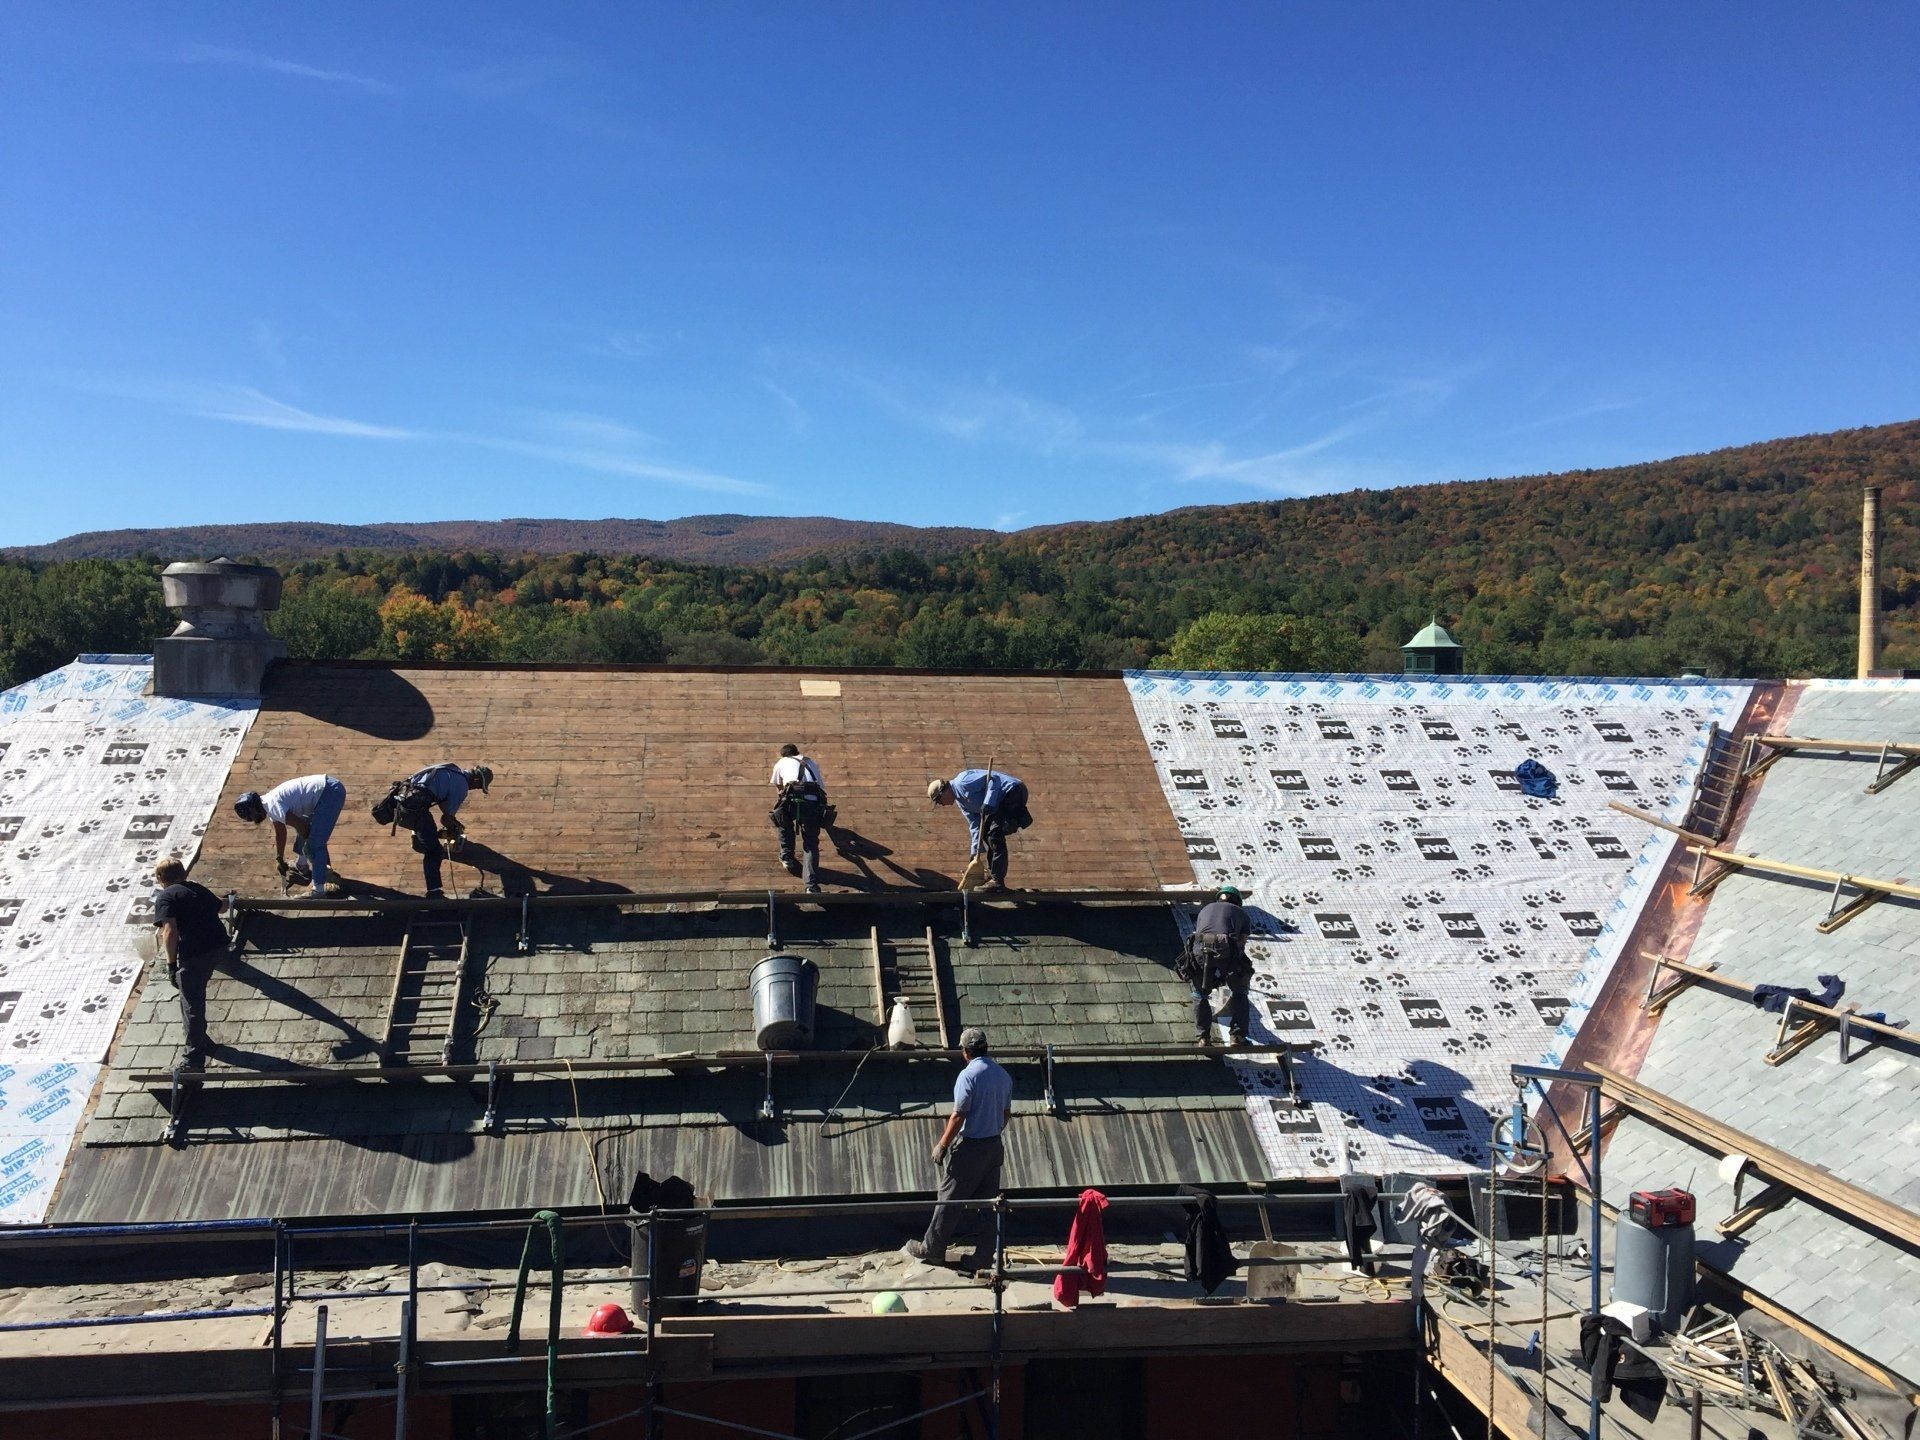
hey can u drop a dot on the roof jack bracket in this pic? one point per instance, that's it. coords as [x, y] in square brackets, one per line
[773, 924]
[1054, 1107]
[767, 1112]
[496, 1084]
[1286, 1068]
[966, 920]
[239, 920]
[1883, 777]
[1838, 914]
[523, 942]
[176, 1131]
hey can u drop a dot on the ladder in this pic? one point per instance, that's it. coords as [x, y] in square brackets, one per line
[1719, 786]
[912, 968]
[429, 986]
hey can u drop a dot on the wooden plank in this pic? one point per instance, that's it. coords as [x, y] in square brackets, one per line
[942, 981]
[879, 982]
[1810, 1181]
[1464, 1366]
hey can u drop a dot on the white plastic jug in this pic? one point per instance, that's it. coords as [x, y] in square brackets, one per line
[900, 1029]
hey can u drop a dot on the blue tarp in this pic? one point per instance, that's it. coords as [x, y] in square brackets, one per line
[1536, 779]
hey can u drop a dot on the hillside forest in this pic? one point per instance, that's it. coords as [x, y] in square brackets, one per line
[1741, 562]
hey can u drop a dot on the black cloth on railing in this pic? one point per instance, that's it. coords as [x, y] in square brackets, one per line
[1209, 1255]
[1773, 998]
[1607, 1356]
[1358, 1196]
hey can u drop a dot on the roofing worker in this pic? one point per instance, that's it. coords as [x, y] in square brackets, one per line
[1216, 955]
[412, 802]
[799, 812]
[995, 805]
[311, 805]
[192, 937]
[969, 1151]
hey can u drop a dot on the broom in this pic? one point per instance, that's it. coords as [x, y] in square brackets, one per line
[976, 873]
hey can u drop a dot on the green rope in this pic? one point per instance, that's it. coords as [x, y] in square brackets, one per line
[555, 1242]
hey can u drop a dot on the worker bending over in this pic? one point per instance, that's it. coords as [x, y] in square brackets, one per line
[410, 804]
[192, 938]
[995, 805]
[1216, 955]
[310, 806]
[969, 1151]
[798, 813]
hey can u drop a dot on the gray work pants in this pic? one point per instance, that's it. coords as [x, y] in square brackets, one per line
[971, 1172]
[190, 978]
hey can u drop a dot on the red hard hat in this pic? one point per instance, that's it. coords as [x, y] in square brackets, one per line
[609, 1320]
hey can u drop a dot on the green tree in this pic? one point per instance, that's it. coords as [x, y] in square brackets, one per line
[327, 622]
[1220, 641]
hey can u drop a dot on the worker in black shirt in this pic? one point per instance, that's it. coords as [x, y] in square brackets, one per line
[193, 937]
[1216, 955]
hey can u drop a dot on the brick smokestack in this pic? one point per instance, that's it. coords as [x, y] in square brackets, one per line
[1869, 581]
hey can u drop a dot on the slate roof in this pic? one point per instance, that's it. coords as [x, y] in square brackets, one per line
[1861, 1121]
[644, 779]
[606, 985]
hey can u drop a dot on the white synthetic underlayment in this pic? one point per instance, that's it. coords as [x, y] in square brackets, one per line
[1421, 919]
[97, 783]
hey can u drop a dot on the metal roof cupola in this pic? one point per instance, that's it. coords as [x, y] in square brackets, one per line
[1432, 652]
[221, 647]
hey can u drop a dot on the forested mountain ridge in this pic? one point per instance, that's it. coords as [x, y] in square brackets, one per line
[1743, 561]
[701, 539]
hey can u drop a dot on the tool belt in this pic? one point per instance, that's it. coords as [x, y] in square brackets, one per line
[805, 801]
[405, 803]
[1209, 961]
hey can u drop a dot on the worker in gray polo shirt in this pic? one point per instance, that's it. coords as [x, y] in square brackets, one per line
[969, 1151]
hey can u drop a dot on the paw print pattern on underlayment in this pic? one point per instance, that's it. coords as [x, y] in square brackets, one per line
[28, 1039]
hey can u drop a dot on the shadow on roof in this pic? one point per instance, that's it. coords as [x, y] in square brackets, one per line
[379, 703]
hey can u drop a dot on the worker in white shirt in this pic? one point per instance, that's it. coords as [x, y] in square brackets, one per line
[798, 814]
[310, 806]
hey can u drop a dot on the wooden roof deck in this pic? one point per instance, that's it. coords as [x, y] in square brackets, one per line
[657, 779]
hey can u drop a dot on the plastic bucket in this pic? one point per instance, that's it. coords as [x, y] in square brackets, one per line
[784, 990]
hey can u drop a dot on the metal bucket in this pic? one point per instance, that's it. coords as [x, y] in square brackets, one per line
[784, 990]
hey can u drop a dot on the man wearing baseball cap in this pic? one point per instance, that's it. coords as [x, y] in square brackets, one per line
[969, 1151]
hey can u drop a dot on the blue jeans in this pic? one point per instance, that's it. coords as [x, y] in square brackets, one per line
[326, 814]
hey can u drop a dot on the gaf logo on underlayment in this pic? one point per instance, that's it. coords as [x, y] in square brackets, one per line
[1439, 730]
[1289, 1014]
[125, 752]
[1188, 779]
[1440, 1114]
[1543, 847]
[1552, 1008]
[1334, 729]
[1318, 847]
[1200, 847]
[1511, 730]
[1435, 847]
[1614, 731]
[1424, 1014]
[1295, 1119]
[10, 911]
[149, 827]
[1399, 780]
[1583, 923]
[1462, 925]
[141, 911]
[1227, 728]
[1504, 779]
[10, 827]
[1607, 847]
[1335, 925]
[1616, 779]
[1289, 779]
[8, 1001]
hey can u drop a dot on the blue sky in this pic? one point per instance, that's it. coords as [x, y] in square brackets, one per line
[965, 264]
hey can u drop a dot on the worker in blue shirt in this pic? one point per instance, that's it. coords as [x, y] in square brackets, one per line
[969, 1151]
[995, 804]
[410, 804]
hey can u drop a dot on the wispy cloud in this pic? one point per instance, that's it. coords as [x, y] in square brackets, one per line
[201, 54]
[990, 414]
[628, 345]
[795, 412]
[1578, 413]
[583, 441]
